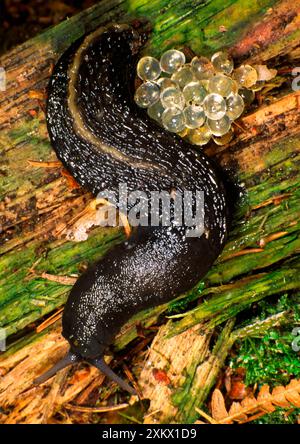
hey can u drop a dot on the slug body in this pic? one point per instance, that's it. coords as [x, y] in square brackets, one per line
[104, 139]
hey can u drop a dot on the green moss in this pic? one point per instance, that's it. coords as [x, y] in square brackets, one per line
[181, 304]
[271, 359]
[285, 302]
[280, 416]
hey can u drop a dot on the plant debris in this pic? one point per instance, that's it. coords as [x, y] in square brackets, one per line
[252, 407]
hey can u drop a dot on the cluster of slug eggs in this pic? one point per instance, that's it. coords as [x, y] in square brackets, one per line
[198, 100]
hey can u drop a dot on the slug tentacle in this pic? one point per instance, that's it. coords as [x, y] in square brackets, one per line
[69, 359]
[105, 140]
[107, 371]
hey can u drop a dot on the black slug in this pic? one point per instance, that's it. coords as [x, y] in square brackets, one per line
[104, 140]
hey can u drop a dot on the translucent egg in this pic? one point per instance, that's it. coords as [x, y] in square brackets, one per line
[184, 132]
[214, 106]
[183, 76]
[202, 68]
[155, 111]
[200, 136]
[172, 97]
[173, 120]
[234, 86]
[165, 82]
[247, 95]
[146, 94]
[204, 83]
[222, 63]
[194, 116]
[148, 68]
[235, 106]
[223, 140]
[219, 127]
[194, 93]
[245, 75]
[172, 60]
[221, 84]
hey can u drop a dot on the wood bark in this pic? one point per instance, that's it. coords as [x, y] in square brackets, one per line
[37, 204]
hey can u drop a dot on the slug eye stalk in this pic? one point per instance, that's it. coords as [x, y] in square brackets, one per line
[107, 371]
[69, 359]
[72, 358]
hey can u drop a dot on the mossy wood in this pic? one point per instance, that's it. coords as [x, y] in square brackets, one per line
[37, 203]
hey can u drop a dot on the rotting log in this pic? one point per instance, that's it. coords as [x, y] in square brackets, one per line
[261, 256]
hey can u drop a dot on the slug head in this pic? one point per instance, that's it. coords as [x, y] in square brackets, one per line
[83, 347]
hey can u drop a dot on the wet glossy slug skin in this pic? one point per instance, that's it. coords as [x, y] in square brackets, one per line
[103, 139]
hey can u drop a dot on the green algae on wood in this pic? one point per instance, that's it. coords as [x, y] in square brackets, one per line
[197, 24]
[231, 299]
[26, 297]
[23, 188]
[197, 387]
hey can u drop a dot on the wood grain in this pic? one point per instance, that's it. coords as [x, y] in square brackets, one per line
[36, 203]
